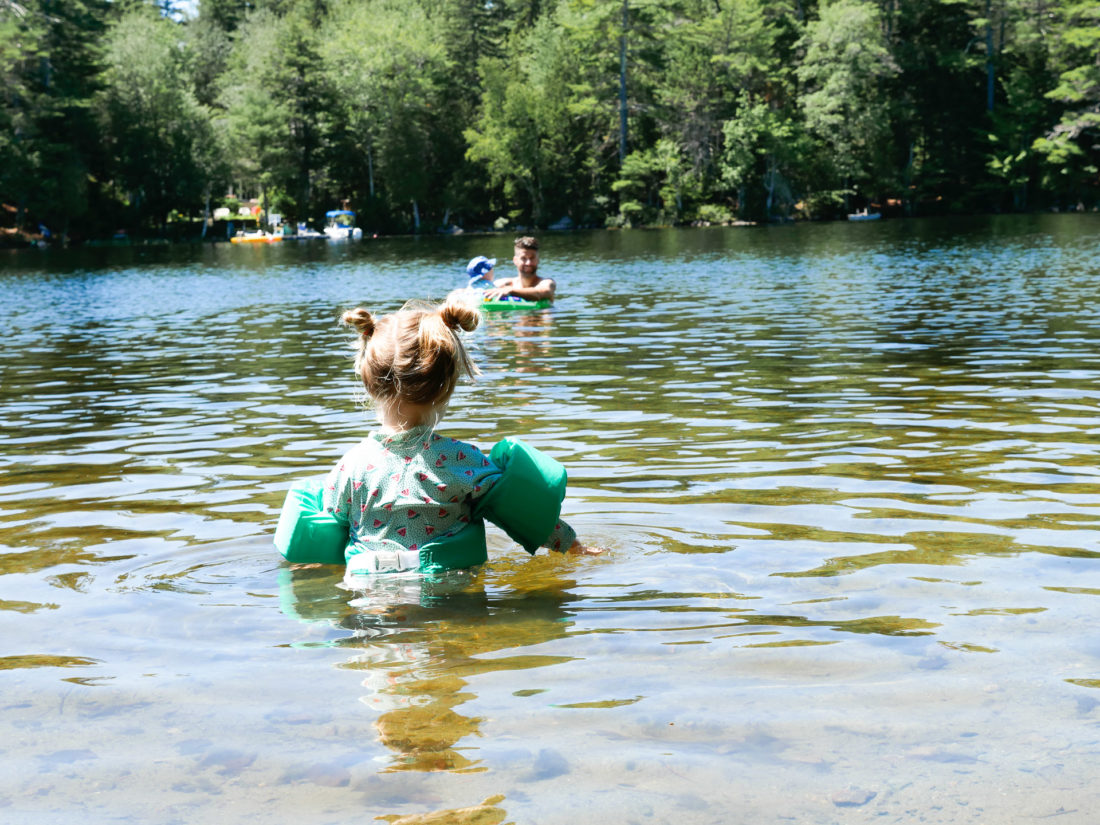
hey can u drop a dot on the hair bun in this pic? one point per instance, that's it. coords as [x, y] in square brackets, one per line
[361, 319]
[458, 314]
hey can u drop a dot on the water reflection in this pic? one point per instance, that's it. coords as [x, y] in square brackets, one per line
[419, 640]
[487, 813]
[524, 340]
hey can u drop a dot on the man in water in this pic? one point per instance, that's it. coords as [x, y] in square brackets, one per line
[528, 285]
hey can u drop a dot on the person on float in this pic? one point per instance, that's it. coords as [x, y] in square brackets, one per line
[527, 285]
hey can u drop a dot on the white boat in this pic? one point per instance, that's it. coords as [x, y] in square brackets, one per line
[341, 226]
[305, 233]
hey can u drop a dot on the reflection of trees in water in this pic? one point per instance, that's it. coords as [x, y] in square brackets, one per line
[420, 640]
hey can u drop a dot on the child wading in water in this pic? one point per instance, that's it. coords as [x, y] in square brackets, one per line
[405, 486]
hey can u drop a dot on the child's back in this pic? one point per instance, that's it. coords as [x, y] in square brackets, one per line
[409, 488]
[404, 485]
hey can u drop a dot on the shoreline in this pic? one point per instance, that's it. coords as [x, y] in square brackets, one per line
[15, 239]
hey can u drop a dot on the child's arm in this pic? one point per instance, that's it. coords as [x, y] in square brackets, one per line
[525, 499]
[562, 539]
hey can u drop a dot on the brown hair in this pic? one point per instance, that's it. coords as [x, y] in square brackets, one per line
[414, 354]
[527, 242]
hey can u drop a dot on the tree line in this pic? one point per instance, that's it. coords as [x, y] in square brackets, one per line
[422, 114]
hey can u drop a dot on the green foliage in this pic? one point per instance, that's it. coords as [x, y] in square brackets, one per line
[256, 112]
[762, 149]
[162, 146]
[536, 120]
[715, 66]
[433, 112]
[223, 15]
[206, 61]
[938, 120]
[49, 55]
[714, 213]
[277, 102]
[1071, 149]
[845, 71]
[388, 64]
[656, 177]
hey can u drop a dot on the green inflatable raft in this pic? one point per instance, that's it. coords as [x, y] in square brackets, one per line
[507, 304]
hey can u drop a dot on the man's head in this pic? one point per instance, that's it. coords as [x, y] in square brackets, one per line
[526, 257]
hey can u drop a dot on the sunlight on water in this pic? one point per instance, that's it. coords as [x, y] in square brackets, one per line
[847, 476]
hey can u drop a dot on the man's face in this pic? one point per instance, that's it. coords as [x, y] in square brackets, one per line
[527, 262]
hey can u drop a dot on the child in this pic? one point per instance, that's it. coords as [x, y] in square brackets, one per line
[405, 486]
[480, 272]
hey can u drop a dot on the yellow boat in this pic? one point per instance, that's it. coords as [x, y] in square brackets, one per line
[255, 237]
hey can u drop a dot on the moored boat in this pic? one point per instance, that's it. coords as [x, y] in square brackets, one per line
[255, 237]
[341, 226]
[864, 215]
[306, 233]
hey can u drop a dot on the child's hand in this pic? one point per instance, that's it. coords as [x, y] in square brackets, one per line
[578, 549]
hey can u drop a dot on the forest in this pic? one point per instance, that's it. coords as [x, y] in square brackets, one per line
[444, 115]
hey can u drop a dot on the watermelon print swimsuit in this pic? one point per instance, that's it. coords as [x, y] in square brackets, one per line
[412, 487]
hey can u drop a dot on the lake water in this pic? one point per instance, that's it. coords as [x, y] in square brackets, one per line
[848, 477]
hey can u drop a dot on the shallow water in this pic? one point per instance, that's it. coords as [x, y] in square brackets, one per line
[847, 476]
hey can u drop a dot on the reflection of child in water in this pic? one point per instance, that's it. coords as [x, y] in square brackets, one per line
[416, 675]
[480, 272]
[405, 485]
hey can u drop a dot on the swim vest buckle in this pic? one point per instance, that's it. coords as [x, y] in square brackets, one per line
[384, 561]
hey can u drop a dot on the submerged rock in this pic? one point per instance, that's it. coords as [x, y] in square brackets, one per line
[852, 797]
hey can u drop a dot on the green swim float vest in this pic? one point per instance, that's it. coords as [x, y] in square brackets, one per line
[525, 503]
